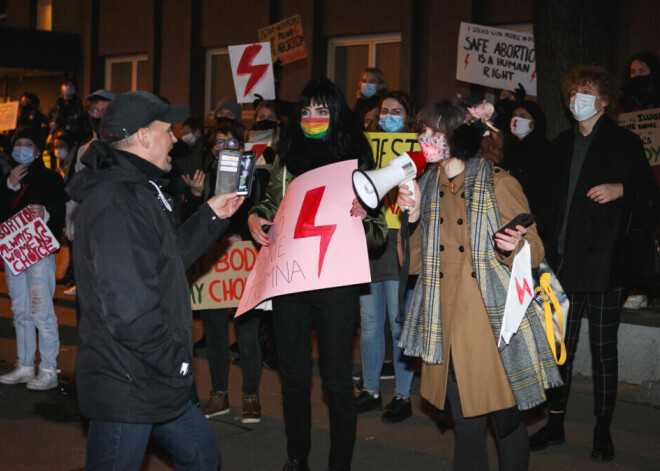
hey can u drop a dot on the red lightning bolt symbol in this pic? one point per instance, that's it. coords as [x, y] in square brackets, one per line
[467, 57]
[521, 291]
[533, 76]
[245, 67]
[305, 227]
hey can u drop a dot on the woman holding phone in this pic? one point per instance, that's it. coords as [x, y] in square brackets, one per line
[455, 316]
[227, 136]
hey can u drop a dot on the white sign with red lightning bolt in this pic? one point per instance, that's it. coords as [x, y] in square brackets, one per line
[496, 58]
[252, 68]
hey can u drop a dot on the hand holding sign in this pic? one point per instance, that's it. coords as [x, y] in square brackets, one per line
[252, 69]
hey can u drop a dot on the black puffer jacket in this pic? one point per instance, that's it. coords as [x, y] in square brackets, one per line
[134, 360]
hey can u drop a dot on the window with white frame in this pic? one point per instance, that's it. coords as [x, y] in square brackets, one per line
[127, 73]
[349, 56]
[218, 80]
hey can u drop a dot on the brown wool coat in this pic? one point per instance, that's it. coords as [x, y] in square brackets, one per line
[466, 331]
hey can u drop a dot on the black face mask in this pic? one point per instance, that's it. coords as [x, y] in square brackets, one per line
[264, 125]
[224, 119]
[639, 93]
[639, 83]
[96, 125]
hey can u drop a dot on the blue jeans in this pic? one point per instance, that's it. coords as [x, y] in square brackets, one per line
[189, 438]
[378, 301]
[31, 293]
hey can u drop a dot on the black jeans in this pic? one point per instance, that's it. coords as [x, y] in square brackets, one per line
[216, 329]
[603, 313]
[333, 313]
[470, 452]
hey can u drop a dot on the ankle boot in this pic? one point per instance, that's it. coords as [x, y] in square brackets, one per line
[551, 433]
[603, 449]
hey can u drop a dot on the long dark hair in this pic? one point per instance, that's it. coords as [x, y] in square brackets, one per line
[345, 138]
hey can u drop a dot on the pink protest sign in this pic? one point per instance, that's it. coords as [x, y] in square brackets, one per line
[315, 243]
[24, 240]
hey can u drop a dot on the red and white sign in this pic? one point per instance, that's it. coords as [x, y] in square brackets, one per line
[315, 243]
[24, 240]
[218, 279]
[519, 295]
[252, 69]
[497, 58]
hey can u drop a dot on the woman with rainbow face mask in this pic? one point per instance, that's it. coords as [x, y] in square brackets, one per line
[325, 131]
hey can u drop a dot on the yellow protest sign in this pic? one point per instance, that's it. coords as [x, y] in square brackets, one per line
[387, 146]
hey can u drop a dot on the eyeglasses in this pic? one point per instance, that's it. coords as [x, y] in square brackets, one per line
[230, 143]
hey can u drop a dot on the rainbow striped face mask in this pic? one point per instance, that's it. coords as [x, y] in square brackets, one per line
[315, 128]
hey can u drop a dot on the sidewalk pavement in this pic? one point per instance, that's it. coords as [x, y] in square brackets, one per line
[43, 431]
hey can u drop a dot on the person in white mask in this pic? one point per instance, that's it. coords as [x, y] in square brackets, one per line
[527, 157]
[602, 187]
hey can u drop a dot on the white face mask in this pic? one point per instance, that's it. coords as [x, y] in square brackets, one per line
[189, 139]
[583, 106]
[520, 127]
[61, 153]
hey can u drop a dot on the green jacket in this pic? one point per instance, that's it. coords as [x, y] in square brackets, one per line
[375, 227]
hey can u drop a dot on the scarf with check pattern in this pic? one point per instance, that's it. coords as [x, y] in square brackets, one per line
[527, 359]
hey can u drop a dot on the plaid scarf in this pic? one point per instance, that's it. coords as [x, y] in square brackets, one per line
[527, 359]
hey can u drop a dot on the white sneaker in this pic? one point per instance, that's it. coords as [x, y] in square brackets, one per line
[22, 374]
[46, 379]
[71, 291]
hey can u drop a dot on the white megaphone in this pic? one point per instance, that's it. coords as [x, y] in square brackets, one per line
[371, 186]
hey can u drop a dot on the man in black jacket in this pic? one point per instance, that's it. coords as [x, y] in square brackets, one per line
[134, 363]
[602, 184]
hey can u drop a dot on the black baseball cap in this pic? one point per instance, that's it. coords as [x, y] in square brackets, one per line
[131, 111]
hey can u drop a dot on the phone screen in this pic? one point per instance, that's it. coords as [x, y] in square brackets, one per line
[245, 173]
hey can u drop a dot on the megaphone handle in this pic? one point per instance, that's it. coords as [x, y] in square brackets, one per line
[409, 184]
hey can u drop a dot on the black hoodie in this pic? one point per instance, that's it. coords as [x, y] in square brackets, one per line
[134, 360]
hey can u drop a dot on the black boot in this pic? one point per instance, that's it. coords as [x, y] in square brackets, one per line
[551, 433]
[603, 449]
[296, 464]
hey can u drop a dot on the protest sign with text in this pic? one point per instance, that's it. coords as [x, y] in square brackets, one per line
[646, 124]
[496, 58]
[24, 240]
[8, 115]
[286, 39]
[217, 280]
[315, 243]
[387, 146]
[252, 70]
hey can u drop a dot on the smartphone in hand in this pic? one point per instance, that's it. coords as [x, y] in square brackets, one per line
[523, 219]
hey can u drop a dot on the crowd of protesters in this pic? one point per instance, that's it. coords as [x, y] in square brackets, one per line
[485, 165]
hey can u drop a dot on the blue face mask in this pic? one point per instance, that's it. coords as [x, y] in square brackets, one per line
[368, 89]
[23, 155]
[390, 123]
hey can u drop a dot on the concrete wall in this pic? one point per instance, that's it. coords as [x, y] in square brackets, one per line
[639, 350]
